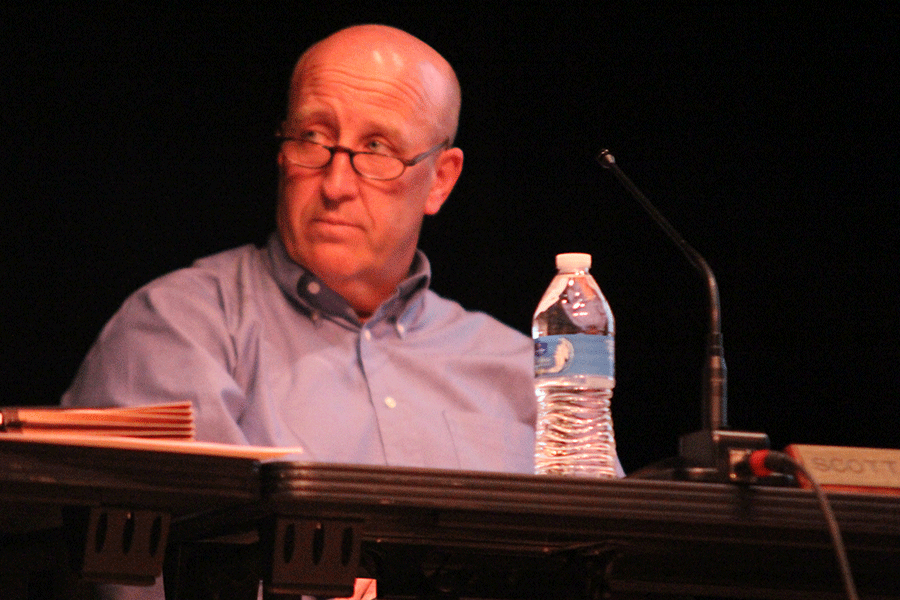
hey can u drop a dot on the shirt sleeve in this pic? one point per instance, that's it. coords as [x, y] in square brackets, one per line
[169, 341]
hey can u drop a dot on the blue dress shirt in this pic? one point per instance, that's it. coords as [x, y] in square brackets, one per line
[270, 356]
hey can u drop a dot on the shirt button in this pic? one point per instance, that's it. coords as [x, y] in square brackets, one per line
[367, 334]
[390, 402]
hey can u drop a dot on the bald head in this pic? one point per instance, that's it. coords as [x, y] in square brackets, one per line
[382, 51]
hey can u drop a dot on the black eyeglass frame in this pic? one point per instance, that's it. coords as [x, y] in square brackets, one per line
[411, 162]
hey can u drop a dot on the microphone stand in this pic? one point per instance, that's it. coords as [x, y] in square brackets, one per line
[714, 453]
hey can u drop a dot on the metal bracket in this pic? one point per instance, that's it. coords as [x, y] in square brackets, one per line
[311, 556]
[118, 545]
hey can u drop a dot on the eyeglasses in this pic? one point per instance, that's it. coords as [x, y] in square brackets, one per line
[371, 165]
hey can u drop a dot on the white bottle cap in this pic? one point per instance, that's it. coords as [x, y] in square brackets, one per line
[573, 260]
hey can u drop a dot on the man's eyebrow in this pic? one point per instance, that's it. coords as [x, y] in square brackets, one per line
[380, 129]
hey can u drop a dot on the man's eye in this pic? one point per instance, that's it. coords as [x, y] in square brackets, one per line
[376, 147]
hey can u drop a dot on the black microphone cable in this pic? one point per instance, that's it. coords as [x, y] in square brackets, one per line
[764, 463]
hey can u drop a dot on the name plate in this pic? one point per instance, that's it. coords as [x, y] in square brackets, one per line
[839, 468]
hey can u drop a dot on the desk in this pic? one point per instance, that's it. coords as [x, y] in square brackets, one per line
[421, 533]
[450, 534]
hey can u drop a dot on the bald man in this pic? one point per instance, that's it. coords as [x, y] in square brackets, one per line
[359, 96]
[329, 338]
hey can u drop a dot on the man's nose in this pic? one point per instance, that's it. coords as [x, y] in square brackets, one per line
[339, 181]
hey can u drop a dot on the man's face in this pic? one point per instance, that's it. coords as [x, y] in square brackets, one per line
[346, 229]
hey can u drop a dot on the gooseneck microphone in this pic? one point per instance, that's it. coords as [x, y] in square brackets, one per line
[715, 410]
[714, 451]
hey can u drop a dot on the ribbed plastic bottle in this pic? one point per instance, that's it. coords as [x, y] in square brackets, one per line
[574, 374]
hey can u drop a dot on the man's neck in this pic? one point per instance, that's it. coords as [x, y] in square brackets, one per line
[363, 298]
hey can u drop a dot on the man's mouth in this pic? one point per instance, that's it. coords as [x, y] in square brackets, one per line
[334, 224]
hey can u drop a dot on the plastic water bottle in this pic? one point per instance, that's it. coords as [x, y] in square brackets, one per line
[574, 371]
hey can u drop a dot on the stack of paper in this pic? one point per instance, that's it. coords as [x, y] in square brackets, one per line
[173, 421]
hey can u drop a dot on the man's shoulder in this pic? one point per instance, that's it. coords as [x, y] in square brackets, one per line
[214, 281]
[220, 267]
[228, 261]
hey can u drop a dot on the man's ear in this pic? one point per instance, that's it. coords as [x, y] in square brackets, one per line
[448, 167]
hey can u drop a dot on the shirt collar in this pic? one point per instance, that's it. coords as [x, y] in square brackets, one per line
[318, 300]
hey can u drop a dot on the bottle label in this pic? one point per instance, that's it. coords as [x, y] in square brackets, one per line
[574, 354]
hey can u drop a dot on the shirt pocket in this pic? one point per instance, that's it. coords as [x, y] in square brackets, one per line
[484, 443]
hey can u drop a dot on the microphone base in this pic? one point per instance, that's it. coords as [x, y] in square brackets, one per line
[714, 456]
[719, 455]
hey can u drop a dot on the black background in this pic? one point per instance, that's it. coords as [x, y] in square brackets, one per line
[138, 139]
